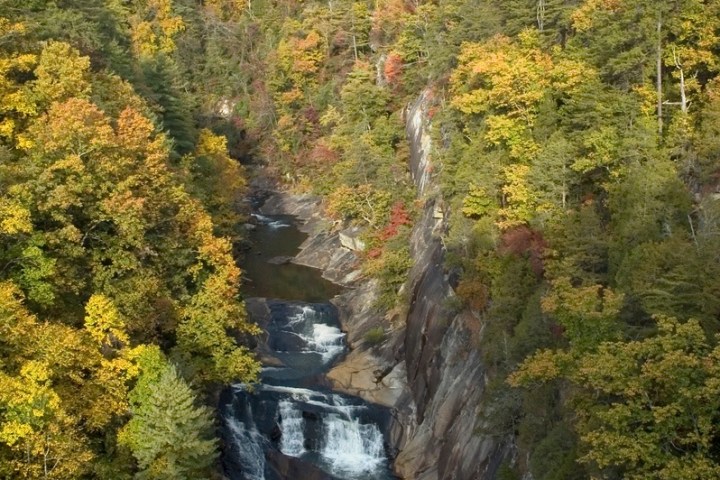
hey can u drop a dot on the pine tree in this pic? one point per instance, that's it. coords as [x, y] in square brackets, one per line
[170, 437]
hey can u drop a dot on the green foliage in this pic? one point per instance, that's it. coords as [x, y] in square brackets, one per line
[391, 270]
[375, 335]
[575, 212]
[170, 437]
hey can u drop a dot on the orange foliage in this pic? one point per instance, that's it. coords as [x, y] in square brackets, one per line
[474, 293]
[322, 154]
[393, 69]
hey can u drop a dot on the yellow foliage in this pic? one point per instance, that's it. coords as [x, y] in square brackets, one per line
[540, 367]
[500, 75]
[210, 144]
[582, 17]
[103, 321]
[154, 27]
[520, 201]
[15, 101]
[61, 74]
[226, 9]
[14, 218]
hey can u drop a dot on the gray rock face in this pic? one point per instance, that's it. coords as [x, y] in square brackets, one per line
[445, 373]
[325, 251]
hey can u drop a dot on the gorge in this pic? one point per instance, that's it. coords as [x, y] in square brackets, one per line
[485, 232]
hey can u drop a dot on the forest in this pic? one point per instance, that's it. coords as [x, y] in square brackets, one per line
[576, 142]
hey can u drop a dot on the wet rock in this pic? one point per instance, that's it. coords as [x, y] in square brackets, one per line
[276, 433]
[280, 260]
[310, 415]
[305, 207]
[284, 466]
[324, 251]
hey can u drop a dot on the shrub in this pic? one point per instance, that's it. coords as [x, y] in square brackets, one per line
[375, 335]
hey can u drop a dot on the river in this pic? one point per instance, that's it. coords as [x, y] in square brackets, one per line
[292, 426]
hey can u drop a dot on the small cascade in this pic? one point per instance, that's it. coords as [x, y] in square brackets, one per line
[327, 340]
[270, 222]
[352, 447]
[292, 441]
[305, 337]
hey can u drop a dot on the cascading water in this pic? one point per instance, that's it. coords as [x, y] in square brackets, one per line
[247, 442]
[351, 446]
[292, 441]
[283, 430]
[272, 223]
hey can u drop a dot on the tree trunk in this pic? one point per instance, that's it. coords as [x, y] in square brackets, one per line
[683, 96]
[659, 75]
[540, 14]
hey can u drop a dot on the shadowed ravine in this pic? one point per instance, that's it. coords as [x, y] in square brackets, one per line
[292, 426]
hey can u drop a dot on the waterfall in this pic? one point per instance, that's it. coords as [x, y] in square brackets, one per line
[352, 447]
[336, 432]
[247, 443]
[292, 442]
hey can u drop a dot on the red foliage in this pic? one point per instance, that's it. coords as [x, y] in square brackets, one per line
[523, 241]
[375, 252]
[311, 115]
[238, 122]
[323, 155]
[393, 69]
[398, 217]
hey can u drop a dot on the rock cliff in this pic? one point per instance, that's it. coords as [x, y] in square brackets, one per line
[427, 367]
[445, 374]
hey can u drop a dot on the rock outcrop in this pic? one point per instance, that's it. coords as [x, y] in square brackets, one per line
[445, 373]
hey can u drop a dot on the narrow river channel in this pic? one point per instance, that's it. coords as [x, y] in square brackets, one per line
[292, 426]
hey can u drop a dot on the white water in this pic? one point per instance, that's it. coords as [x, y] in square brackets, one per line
[274, 224]
[350, 446]
[248, 443]
[327, 340]
[299, 393]
[292, 442]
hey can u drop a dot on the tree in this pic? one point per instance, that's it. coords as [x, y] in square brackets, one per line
[219, 181]
[170, 437]
[650, 406]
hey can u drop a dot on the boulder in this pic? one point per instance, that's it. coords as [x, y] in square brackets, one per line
[350, 239]
[357, 375]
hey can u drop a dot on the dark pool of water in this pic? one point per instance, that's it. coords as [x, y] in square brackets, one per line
[278, 236]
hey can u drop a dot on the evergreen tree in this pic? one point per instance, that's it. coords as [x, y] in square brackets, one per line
[170, 437]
